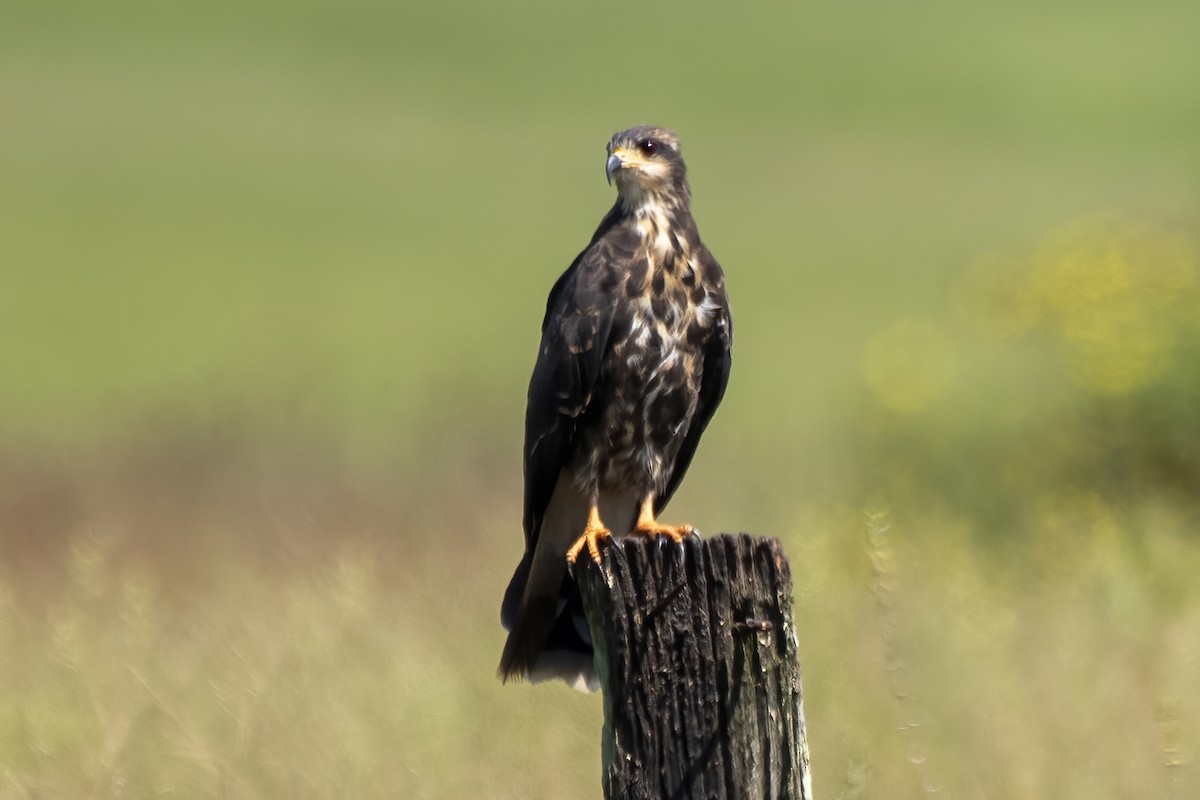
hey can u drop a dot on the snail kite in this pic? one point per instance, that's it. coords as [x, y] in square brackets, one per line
[634, 359]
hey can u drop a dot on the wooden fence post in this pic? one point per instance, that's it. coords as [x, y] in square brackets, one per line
[697, 654]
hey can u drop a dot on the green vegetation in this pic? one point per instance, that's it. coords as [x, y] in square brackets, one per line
[270, 279]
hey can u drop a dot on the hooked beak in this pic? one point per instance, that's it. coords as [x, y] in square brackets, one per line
[615, 162]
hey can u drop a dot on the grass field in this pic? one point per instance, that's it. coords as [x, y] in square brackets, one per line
[270, 280]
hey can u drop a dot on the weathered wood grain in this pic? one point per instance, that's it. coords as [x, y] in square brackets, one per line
[697, 653]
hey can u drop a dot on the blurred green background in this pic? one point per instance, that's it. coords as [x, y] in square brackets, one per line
[271, 276]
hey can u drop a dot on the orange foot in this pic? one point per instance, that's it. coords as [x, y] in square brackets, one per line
[591, 540]
[647, 525]
[676, 533]
[593, 534]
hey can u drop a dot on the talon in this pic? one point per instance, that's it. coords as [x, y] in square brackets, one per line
[590, 539]
[676, 533]
[648, 526]
[593, 534]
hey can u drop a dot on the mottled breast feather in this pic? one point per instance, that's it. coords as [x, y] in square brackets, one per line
[635, 358]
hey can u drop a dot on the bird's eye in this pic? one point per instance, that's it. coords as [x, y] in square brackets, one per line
[648, 147]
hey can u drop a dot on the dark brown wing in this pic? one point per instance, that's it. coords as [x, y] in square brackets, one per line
[718, 358]
[575, 338]
[541, 610]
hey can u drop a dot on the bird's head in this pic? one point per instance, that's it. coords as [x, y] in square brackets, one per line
[647, 165]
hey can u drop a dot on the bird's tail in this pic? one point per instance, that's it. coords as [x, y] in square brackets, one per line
[542, 610]
[548, 636]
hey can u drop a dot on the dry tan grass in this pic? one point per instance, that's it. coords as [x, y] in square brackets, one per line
[311, 642]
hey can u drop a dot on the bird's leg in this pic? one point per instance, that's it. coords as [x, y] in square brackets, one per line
[647, 525]
[593, 533]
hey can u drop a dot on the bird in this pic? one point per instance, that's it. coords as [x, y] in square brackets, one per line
[634, 358]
